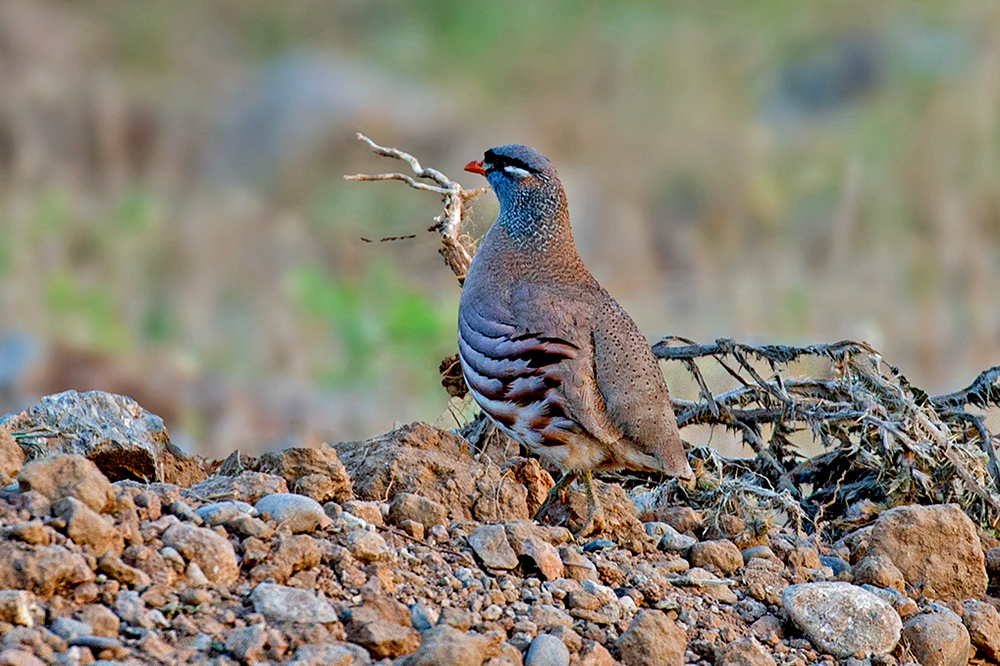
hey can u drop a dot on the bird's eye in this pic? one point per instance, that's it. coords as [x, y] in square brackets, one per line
[517, 172]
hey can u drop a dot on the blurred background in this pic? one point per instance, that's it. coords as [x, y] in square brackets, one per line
[174, 226]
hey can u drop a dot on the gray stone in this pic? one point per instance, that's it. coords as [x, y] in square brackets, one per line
[130, 607]
[423, 617]
[491, 545]
[279, 603]
[247, 643]
[330, 654]
[296, 512]
[69, 628]
[220, 513]
[842, 619]
[547, 650]
[121, 437]
[674, 541]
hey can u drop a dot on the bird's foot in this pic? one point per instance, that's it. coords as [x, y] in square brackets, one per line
[553, 495]
[594, 522]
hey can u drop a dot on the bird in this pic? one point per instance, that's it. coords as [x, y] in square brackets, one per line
[547, 353]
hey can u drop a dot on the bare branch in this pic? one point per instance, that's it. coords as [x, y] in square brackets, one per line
[456, 250]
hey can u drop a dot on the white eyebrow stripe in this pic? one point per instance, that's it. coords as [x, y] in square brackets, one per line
[516, 171]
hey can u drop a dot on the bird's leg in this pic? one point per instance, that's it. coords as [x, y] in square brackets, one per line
[594, 511]
[553, 495]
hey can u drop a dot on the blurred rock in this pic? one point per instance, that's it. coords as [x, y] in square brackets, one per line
[120, 437]
[44, 570]
[435, 464]
[15, 607]
[983, 622]
[247, 487]
[842, 619]
[210, 551]
[745, 652]
[937, 638]
[297, 465]
[653, 639]
[68, 476]
[935, 548]
[11, 457]
[446, 645]
[330, 654]
[295, 512]
[381, 625]
[547, 650]
[278, 603]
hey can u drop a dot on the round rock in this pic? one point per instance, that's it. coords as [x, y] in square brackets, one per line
[279, 603]
[547, 650]
[843, 619]
[297, 512]
[210, 551]
[937, 638]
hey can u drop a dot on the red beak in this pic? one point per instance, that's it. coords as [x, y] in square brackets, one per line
[476, 166]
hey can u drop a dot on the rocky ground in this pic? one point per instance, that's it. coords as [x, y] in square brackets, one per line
[406, 549]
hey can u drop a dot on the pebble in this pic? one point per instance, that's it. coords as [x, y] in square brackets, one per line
[544, 555]
[595, 545]
[720, 554]
[746, 652]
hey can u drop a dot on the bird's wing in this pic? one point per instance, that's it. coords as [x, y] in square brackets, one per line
[514, 369]
[631, 384]
[544, 313]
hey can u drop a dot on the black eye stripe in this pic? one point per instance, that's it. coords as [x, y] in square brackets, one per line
[494, 162]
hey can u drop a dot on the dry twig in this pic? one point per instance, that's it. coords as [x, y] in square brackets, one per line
[457, 251]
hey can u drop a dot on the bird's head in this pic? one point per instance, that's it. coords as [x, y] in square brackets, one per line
[525, 183]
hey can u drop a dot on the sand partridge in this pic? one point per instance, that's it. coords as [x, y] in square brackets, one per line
[547, 353]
